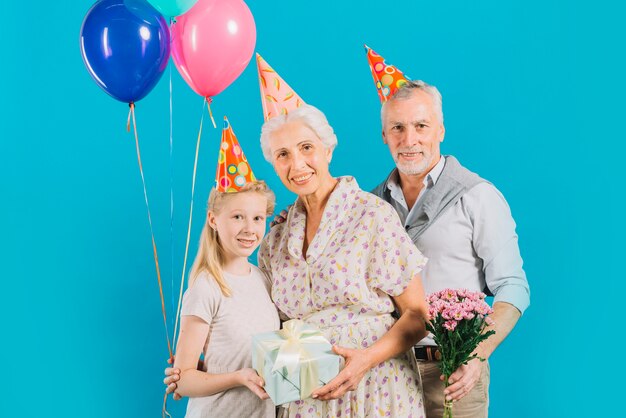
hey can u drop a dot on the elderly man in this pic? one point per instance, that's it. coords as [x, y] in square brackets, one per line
[461, 222]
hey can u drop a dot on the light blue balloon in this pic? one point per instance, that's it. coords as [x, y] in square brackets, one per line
[173, 7]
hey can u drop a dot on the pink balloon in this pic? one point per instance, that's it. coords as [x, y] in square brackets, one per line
[212, 44]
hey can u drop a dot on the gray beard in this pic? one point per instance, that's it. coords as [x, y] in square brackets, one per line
[412, 169]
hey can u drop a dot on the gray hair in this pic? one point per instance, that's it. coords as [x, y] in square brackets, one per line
[309, 115]
[406, 91]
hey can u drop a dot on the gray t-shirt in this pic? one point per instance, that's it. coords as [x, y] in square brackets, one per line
[233, 320]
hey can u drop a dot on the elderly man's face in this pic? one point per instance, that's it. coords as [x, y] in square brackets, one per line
[413, 132]
[299, 158]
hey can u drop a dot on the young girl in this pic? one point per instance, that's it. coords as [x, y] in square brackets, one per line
[227, 301]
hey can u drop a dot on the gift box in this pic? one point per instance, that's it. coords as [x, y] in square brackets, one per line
[293, 361]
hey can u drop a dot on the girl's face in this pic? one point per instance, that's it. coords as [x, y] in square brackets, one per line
[240, 223]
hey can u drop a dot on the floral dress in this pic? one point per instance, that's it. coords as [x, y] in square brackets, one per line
[359, 257]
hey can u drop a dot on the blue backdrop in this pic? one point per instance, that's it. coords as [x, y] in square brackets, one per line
[533, 100]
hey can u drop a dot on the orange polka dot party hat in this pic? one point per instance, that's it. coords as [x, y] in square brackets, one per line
[276, 95]
[233, 169]
[387, 78]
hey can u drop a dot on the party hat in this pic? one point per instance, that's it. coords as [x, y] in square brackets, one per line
[233, 170]
[388, 79]
[276, 95]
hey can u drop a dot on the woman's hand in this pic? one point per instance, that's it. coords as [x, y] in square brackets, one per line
[358, 363]
[400, 338]
[281, 217]
[250, 379]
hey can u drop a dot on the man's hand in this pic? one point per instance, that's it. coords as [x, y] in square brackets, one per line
[463, 380]
[280, 218]
[357, 364]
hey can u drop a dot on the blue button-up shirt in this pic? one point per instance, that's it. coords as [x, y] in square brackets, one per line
[472, 245]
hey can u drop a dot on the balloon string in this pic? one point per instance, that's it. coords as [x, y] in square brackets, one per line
[171, 195]
[208, 100]
[130, 111]
[164, 412]
[154, 248]
[193, 187]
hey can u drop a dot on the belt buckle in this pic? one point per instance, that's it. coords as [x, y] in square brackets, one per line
[432, 353]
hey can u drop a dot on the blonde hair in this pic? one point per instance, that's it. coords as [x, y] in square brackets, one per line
[210, 256]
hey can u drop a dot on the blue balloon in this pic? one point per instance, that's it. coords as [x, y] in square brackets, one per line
[125, 45]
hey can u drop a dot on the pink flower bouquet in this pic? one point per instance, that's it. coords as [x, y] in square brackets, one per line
[458, 319]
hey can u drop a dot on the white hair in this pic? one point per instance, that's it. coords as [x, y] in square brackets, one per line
[406, 92]
[309, 115]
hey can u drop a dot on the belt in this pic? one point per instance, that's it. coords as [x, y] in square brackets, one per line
[427, 353]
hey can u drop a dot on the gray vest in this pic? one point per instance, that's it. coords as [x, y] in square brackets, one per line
[451, 185]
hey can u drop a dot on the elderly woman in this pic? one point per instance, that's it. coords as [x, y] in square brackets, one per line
[342, 262]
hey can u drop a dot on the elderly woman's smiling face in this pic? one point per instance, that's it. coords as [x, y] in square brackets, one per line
[300, 158]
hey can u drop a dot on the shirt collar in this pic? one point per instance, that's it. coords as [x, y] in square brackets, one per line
[339, 203]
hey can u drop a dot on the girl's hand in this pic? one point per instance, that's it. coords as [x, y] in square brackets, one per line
[250, 379]
[172, 376]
